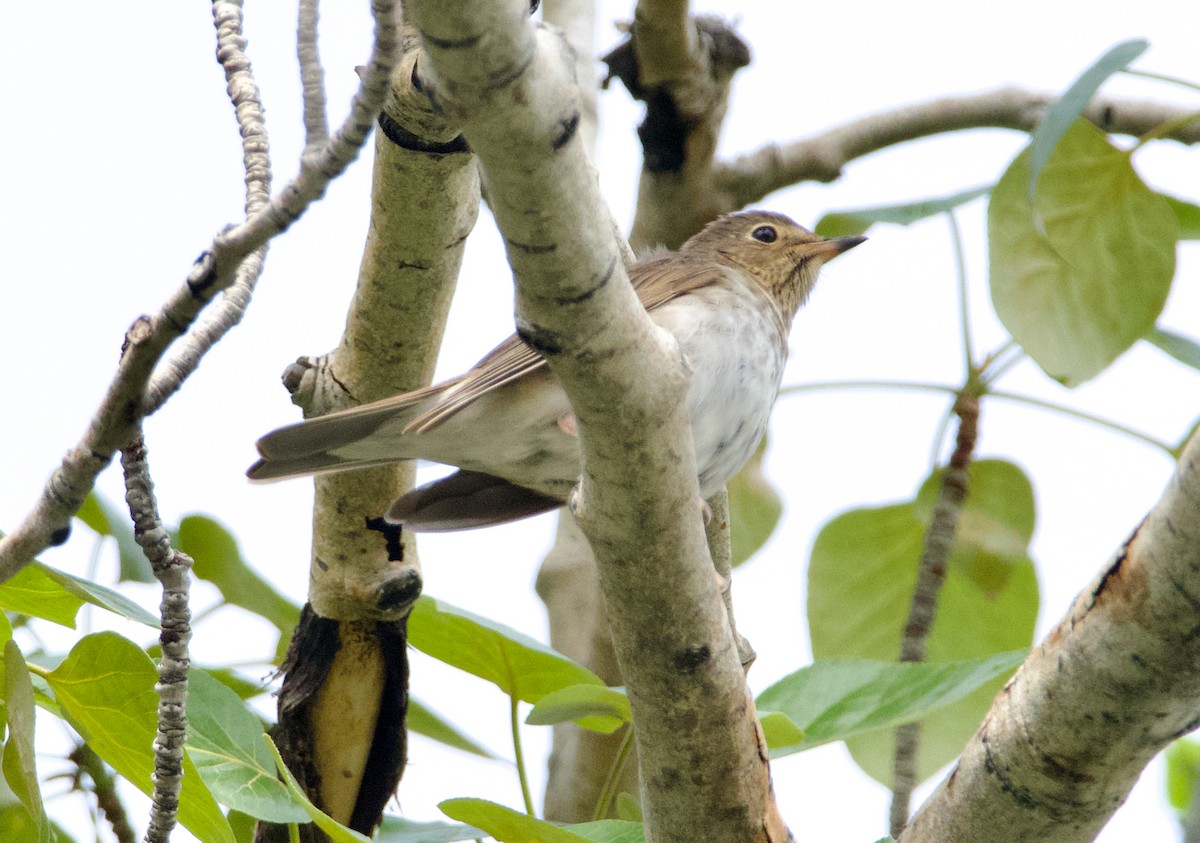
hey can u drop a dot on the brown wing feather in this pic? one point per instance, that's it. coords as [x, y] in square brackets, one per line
[656, 282]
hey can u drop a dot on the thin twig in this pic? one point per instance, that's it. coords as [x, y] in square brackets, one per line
[935, 556]
[104, 786]
[116, 420]
[312, 75]
[256, 161]
[171, 567]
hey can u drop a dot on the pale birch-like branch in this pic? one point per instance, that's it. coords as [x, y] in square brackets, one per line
[312, 76]
[126, 401]
[510, 85]
[339, 727]
[749, 178]
[1113, 684]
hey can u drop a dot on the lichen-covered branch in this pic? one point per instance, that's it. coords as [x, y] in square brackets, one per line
[822, 157]
[171, 568]
[1108, 688]
[341, 721]
[511, 87]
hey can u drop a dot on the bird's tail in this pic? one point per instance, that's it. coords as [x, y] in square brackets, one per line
[341, 441]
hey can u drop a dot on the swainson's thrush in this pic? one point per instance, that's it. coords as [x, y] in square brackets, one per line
[728, 295]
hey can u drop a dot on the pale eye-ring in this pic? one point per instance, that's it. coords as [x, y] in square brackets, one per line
[765, 234]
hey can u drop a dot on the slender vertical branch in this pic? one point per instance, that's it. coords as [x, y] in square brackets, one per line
[312, 76]
[171, 568]
[939, 541]
[104, 786]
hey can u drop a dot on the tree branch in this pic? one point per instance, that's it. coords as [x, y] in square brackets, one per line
[125, 402]
[749, 178]
[511, 88]
[1067, 738]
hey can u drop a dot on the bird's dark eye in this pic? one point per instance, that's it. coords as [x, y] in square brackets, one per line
[765, 234]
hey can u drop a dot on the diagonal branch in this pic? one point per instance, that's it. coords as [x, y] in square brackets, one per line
[1069, 735]
[749, 178]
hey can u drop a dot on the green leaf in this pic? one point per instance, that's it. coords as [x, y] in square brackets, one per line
[225, 743]
[44, 592]
[333, 829]
[1184, 349]
[628, 808]
[591, 706]
[107, 520]
[105, 688]
[1063, 114]
[836, 699]
[857, 221]
[217, 558]
[397, 830]
[16, 825]
[754, 508]
[505, 824]
[779, 729]
[20, 760]
[517, 664]
[1083, 272]
[1188, 217]
[1183, 774]
[98, 595]
[611, 831]
[31, 592]
[422, 720]
[861, 578]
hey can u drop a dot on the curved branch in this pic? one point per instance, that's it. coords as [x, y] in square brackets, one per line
[749, 178]
[1113, 684]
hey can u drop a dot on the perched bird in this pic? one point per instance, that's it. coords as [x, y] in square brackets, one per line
[728, 295]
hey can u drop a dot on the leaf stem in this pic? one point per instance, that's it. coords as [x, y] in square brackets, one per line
[521, 773]
[614, 775]
[960, 264]
[1162, 77]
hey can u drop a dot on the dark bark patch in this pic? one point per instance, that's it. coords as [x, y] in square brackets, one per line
[692, 659]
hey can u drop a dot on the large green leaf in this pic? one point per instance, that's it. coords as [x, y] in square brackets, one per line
[1183, 774]
[1060, 117]
[399, 830]
[836, 699]
[611, 831]
[44, 592]
[105, 688]
[225, 741]
[20, 761]
[858, 220]
[505, 824]
[1082, 272]
[423, 720]
[217, 558]
[108, 520]
[861, 578]
[516, 663]
[591, 706]
[1188, 216]
[754, 508]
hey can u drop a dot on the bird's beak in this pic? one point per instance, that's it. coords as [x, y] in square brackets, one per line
[834, 246]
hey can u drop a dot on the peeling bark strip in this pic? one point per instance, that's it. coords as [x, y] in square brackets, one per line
[931, 574]
[1067, 738]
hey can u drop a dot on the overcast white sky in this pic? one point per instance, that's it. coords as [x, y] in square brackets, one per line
[123, 161]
